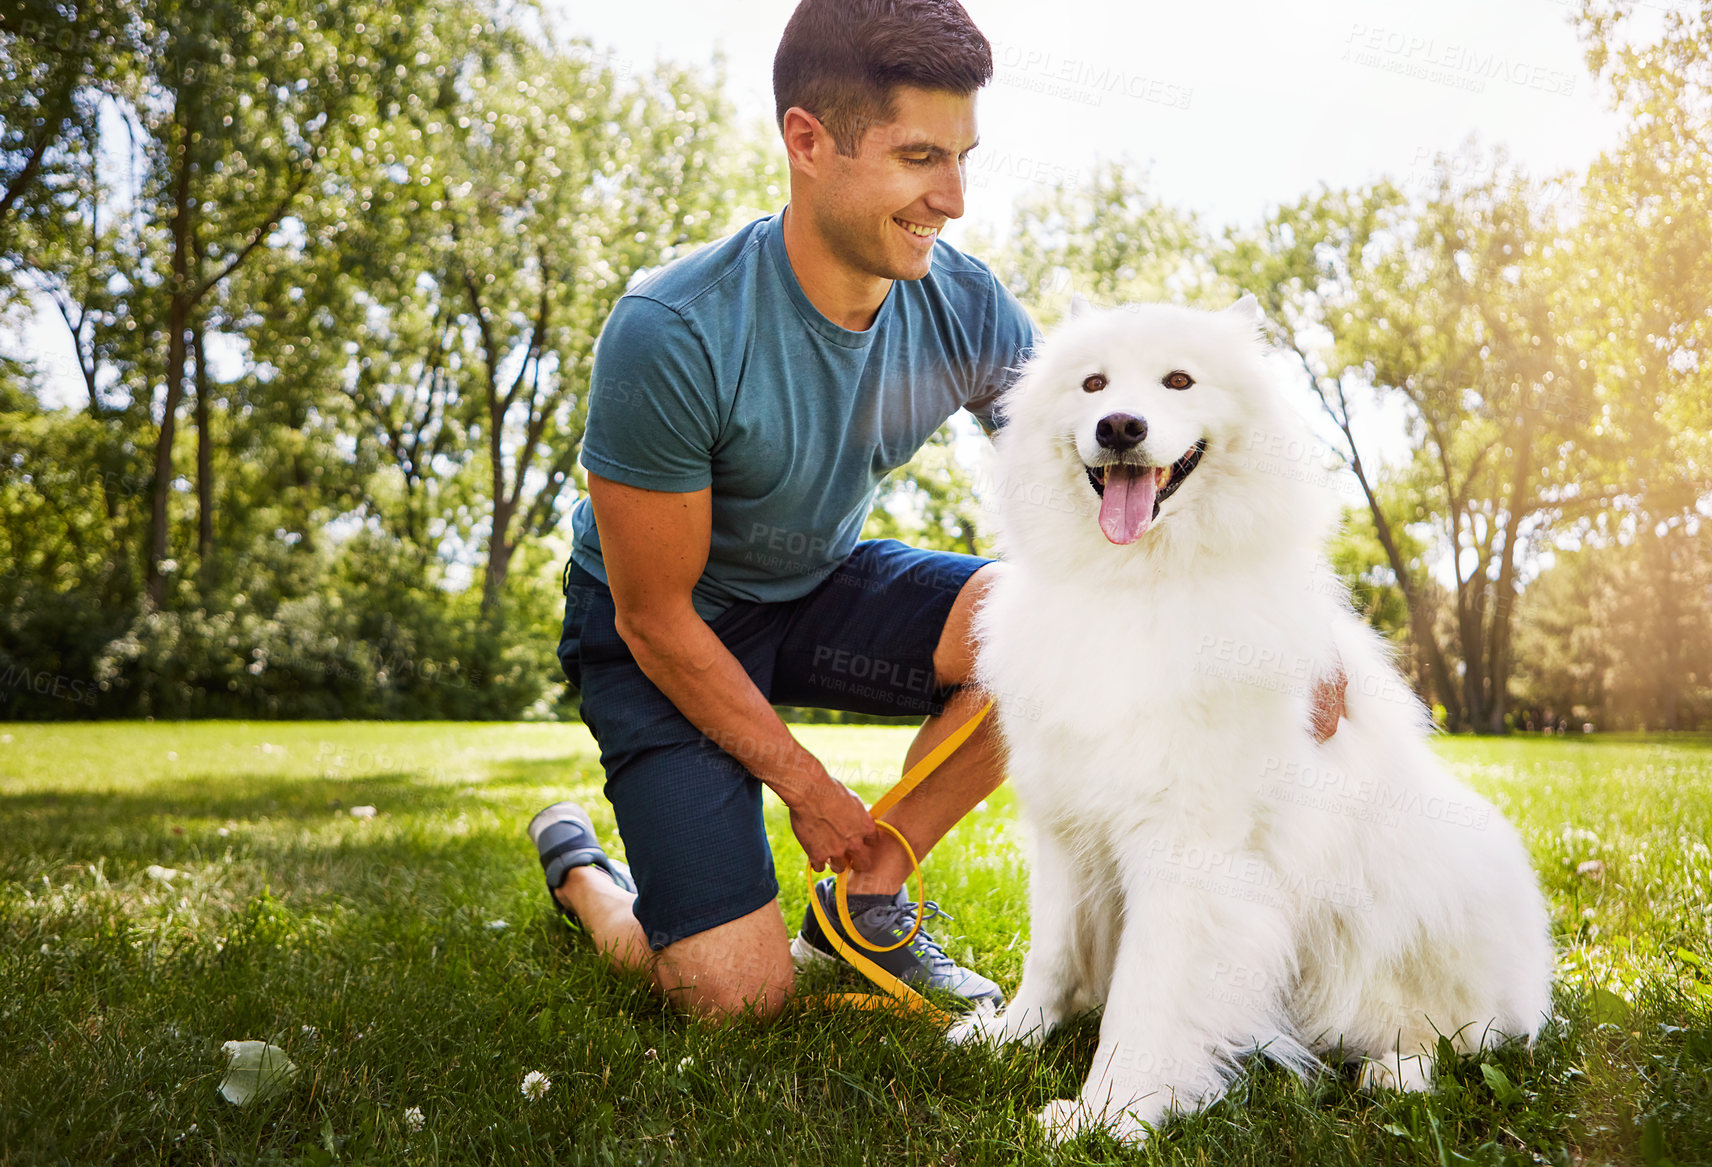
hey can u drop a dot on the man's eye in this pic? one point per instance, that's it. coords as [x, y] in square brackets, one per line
[921, 160]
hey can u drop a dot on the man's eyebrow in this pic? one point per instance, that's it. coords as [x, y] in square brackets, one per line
[932, 149]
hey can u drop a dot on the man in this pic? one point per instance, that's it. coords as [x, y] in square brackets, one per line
[745, 403]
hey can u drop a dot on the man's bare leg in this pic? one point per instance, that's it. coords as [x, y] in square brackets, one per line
[721, 973]
[973, 771]
[604, 909]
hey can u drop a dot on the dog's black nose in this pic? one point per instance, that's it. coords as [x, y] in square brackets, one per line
[1120, 431]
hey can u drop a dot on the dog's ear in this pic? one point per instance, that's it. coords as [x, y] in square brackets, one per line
[1079, 306]
[1247, 310]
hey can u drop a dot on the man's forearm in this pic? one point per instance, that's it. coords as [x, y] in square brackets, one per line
[698, 674]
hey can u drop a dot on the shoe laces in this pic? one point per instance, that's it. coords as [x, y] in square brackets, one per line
[898, 918]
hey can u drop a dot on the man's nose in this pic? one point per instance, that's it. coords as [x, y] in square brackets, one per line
[946, 197]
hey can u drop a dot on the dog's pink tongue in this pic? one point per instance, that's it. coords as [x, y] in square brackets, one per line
[1126, 508]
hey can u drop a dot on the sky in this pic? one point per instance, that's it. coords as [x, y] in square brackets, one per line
[1233, 106]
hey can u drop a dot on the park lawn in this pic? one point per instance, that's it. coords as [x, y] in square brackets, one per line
[165, 888]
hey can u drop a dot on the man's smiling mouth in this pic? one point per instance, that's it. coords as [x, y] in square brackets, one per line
[916, 229]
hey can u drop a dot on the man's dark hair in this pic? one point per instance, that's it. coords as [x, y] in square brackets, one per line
[841, 59]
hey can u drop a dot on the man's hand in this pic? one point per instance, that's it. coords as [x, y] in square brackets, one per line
[1328, 701]
[833, 826]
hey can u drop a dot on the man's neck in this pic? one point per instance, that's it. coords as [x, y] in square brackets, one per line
[850, 299]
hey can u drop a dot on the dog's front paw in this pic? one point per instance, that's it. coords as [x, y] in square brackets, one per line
[981, 1025]
[1066, 1118]
[1063, 1119]
[1017, 1023]
[1405, 1074]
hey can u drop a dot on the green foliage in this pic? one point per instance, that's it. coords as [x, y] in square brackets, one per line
[366, 249]
[1619, 634]
[339, 268]
[1108, 239]
[372, 633]
[931, 502]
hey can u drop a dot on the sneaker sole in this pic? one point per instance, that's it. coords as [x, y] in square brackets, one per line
[806, 955]
[541, 819]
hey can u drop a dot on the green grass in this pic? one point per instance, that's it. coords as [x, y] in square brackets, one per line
[371, 950]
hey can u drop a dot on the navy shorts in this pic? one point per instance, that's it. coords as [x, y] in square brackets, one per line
[689, 813]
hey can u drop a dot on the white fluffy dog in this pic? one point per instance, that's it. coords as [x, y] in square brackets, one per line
[1199, 865]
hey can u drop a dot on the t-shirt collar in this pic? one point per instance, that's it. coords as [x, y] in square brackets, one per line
[811, 315]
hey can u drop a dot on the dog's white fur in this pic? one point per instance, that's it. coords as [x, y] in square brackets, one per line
[1199, 866]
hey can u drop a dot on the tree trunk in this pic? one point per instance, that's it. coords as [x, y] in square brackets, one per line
[1670, 628]
[499, 554]
[204, 465]
[182, 291]
[1420, 623]
[1504, 599]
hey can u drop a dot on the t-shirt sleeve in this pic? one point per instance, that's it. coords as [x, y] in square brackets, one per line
[651, 417]
[1011, 337]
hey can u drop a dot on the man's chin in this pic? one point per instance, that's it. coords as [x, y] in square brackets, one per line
[910, 267]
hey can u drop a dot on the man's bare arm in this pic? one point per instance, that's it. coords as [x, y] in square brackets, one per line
[655, 547]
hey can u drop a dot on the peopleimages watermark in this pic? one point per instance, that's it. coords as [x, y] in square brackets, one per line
[45, 684]
[1244, 876]
[1300, 460]
[1366, 799]
[984, 166]
[1465, 67]
[1080, 80]
[1230, 658]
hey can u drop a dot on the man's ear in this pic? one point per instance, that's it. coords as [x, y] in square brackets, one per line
[1247, 310]
[806, 139]
[1079, 306]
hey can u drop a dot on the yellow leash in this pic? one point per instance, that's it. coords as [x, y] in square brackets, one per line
[898, 993]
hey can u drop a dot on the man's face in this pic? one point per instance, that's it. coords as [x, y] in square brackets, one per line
[880, 211]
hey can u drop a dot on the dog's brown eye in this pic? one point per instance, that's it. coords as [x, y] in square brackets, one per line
[1178, 379]
[1094, 383]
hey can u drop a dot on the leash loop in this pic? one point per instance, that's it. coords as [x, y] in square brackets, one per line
[900, 993]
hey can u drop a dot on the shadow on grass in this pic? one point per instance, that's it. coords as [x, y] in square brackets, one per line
[291, 831]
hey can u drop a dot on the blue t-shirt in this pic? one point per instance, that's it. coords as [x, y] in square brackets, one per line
[718, 371]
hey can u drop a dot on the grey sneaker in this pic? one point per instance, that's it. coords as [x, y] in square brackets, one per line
[564, 838]
[921, 962]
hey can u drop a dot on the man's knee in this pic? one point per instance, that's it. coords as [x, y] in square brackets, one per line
[954, 655]
[737, 969]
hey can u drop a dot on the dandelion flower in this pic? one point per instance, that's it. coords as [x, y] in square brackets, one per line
[535, 1084]
[413, 1118]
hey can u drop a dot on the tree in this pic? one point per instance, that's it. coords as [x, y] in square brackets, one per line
[250, 97]
[1308, 264]
[1108, 239]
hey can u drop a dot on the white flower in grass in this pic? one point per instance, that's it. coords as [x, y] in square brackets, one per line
[363, 812]
[685, 1064]
[535, 1084]
[413, 1118]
